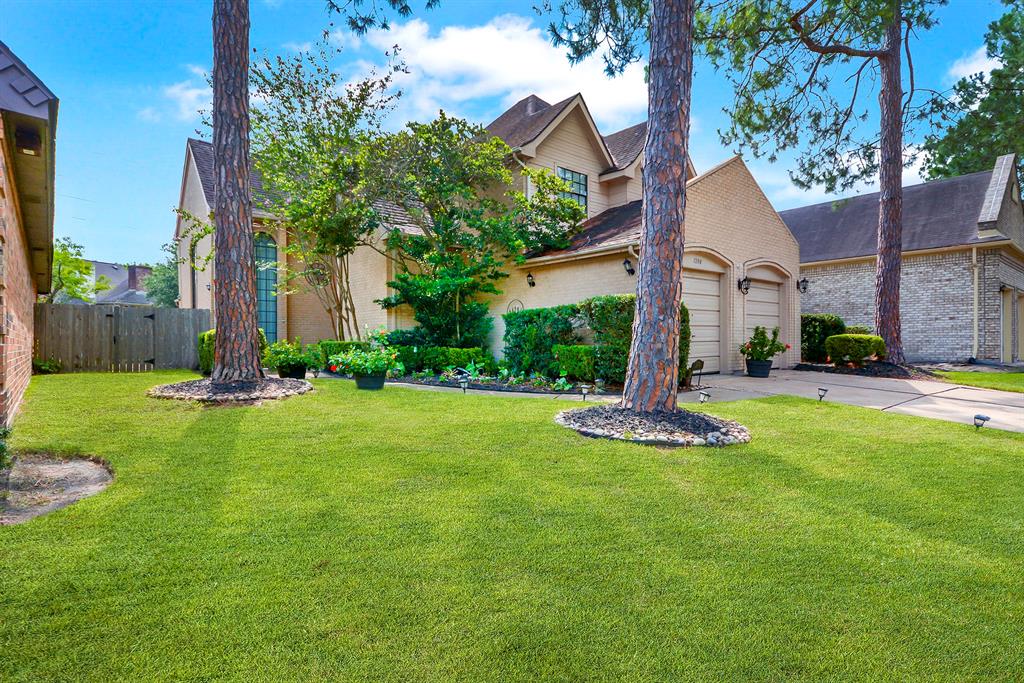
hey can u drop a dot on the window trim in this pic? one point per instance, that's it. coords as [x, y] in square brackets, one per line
[576, 181]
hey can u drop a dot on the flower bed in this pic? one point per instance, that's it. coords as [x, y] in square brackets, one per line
[870, 369]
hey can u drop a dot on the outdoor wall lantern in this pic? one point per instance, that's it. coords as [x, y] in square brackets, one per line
[464, 382]
[744, 284]
[530, 281]
[704, 397]
[980, 420]
[628, 265]
[584, 389]
[821, 393]
[801, 285]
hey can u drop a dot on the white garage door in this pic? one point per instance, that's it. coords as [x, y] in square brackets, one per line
[702, 295]
[762, 307]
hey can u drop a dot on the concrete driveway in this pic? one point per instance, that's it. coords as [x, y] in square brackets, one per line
[938, 400]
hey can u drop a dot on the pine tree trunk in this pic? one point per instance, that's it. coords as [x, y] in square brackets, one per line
[653, 375]
[890, 209]
[236, 355]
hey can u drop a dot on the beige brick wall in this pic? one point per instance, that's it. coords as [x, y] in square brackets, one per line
[17, 296]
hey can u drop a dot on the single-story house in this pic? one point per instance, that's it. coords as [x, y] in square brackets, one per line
[962, 285]
[733, 234]
[126, 284]
[28, 122]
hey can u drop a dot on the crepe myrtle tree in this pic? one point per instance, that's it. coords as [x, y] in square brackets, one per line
[801, 70]
[454, 183]
[236, 354]
[317, 147]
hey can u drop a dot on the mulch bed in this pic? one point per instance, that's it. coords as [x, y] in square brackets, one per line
[871, 369]
[204, 391]
[40, 483]
[524, 387]
[679, 428]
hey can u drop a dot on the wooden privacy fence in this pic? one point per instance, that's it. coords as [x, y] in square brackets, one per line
[113, 338]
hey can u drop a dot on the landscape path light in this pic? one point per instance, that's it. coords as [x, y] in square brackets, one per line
[821, 393]
[980, 420]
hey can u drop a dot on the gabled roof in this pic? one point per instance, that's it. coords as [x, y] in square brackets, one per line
[202, 153]
[936, 214]
[526, 119]
[627, 144]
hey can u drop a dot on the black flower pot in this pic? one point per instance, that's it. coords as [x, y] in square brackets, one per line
[372, 382]
[758, 368]
[291, 371]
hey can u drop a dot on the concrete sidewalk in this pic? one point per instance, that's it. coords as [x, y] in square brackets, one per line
[938, 400]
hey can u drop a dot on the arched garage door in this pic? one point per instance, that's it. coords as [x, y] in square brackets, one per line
[702, 294]
[762, 307]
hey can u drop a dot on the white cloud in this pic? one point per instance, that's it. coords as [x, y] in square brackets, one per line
[507, 58]
[196, 70]
[344, 39]
[298, 47]
[188, 98]
[970, 64]
[150, 115]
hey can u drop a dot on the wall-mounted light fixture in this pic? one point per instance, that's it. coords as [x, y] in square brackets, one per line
[530, 281]
[628, 265]
[801, 284]
[743, 284]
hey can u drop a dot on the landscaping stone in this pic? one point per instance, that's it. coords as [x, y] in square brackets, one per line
[204, 391]
[680, 428]
[41, 483]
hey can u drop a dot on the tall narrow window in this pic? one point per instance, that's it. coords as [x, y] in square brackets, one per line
[577, 185]
[193, 279]
[266, 284]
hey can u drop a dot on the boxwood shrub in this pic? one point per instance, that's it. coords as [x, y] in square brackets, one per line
[333, 347]
[440, 358]
[208, 341]
[575, 360]
[854, 348]
[531, 334]
[611, 319]
[815, 328]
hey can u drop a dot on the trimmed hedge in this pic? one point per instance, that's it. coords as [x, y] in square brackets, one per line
[815, 328]
[854, 348]
[207, 341]
[576, 361]
[858, 329]
[611, 319]
[438, 358]
[530, 336]
[334, 347]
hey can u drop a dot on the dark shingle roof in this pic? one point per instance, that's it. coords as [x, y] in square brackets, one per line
[627, 144]
[940, 213]
[617, 226]
[202, 152]
[526, 119]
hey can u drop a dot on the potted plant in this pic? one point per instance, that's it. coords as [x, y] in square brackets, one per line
[369, 367]
[760, 350]
[289, 359]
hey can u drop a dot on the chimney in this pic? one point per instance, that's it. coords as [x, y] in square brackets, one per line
[136, 277]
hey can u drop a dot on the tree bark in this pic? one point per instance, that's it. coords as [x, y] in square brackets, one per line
[890, 180]
[236, 354]
[652, 377]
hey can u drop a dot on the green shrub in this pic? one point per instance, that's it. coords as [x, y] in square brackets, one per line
[815, 328]
[611, 319]
[50, 366]
[854, 348]
[356, 361]
[284, 355]
[333, 347]
[531, 334]
[414, 336]
[440, 358]
[576, 361]
[762, 347]
[207, 343]
[411, 357]
[5, 452]
[858, 329]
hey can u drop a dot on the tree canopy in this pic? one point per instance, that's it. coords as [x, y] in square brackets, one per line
[72, 275]
[162, 283]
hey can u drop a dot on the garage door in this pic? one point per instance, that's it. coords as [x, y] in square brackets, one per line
[702, 295]
[762, 307]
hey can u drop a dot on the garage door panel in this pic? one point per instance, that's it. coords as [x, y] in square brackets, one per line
[702, 296]
[702, 302]
[763, 293]
[700, 284]
[705, 318]
[703, 349]
[762, 308]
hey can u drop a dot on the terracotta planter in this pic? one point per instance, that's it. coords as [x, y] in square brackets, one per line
[292, 371]
[759, 368]
[371, 382]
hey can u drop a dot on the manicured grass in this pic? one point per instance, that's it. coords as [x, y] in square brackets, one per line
[1005, 381]
[410, 535]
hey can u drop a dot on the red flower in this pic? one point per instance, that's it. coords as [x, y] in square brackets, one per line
[788, 347]
[334, 368]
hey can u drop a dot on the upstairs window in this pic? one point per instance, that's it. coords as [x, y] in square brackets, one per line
[577, 185]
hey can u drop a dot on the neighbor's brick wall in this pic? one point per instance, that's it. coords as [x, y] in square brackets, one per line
[936, 300]
[17, 298]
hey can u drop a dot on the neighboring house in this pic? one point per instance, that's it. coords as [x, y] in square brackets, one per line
[962, 285]
[732, 233]
[126, 284]
[28, 122]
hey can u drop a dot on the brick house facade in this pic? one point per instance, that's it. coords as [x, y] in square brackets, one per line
[28, 118]
[962, 285]
[732, 232]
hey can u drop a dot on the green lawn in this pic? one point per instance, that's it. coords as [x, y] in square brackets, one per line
[409, 535]
[1006, 381]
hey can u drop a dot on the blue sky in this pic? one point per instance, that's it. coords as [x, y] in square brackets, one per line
[129, 75]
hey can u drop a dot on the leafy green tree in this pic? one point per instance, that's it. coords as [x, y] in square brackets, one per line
[317, 146]
[982, 118]
[162, 283]
[454, 182]
[72, 275]
[800, 70]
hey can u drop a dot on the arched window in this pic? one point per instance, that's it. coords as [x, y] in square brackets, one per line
[266, 284]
